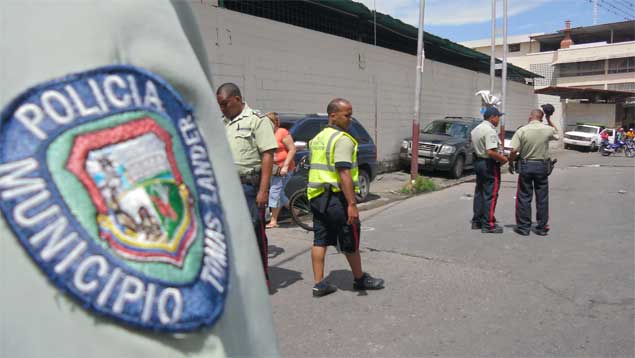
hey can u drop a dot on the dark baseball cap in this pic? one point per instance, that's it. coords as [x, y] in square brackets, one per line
[492, 112]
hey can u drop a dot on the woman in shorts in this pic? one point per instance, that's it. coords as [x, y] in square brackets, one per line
[283, 166]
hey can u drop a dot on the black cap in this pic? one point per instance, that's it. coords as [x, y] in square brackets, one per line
[548, 109]
[492, 112]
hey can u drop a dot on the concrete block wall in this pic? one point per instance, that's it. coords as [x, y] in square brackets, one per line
[599, 113]
[285, 68]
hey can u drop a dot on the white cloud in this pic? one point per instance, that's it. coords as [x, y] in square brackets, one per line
[449, 12]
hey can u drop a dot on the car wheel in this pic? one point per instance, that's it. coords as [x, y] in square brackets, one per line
[457, 168]
[566, 146]
[364, 185]
[593, 147]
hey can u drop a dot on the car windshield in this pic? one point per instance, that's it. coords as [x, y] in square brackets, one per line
[509, 134]
[585, 129]
[453, 129]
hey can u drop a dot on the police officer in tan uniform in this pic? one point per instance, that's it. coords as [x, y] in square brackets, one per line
[252, 141]
[530, 144]
[487, 162]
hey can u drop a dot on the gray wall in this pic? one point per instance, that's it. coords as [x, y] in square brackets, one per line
[285, 68]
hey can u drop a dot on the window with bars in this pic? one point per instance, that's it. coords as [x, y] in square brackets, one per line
[622, 65]
[588, 68]
[625, 87]
[513, 47]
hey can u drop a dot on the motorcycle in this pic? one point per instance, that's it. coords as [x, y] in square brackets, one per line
[628, 147]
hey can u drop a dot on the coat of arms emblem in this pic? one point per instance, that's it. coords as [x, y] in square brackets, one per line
[145, 211]
[106, 182]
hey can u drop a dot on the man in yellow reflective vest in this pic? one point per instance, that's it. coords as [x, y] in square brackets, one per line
[333, 181]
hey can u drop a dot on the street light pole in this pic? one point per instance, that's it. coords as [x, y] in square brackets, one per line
[416, 121]
[492, 62]
[504, 72]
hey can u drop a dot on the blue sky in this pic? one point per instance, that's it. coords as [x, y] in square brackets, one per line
[463, 20]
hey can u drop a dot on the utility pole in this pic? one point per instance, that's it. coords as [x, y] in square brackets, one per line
[375, 21]
[595, 12]
[492, 62]
[416, 121]
[504, 72]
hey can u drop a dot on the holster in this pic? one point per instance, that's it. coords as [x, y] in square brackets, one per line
[552, 164]
[251, 179]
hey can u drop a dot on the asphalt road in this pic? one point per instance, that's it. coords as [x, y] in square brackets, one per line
[452, 291]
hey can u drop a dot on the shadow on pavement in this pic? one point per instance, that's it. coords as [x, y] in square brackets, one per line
[274, 251]
[282, 278]
[343, 280]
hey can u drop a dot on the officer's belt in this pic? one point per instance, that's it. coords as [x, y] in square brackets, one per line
[251, 179]
[536, 160]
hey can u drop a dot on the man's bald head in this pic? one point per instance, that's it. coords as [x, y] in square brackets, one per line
[340, 112]
[230, 100]
[536, 114]
[336, 105]
[229, 90]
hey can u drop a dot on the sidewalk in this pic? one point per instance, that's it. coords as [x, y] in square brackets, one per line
[386, 188]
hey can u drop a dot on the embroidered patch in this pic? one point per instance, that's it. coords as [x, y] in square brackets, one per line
[107, 184]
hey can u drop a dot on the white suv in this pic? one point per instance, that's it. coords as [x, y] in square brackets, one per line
[583, 136]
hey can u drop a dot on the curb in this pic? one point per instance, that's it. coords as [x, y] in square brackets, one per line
[382, 201]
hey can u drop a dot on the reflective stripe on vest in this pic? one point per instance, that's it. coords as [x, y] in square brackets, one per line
[323, 174]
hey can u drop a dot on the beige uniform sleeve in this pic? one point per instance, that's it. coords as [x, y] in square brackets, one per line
[515, 144]
[491, 141]
[343, 155]
[554, 134]
[264, 135]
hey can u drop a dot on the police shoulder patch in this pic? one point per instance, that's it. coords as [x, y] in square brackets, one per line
[106, 182]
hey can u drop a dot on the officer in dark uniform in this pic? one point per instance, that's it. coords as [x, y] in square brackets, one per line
[252, 142]
[531, 144]
[487, 161]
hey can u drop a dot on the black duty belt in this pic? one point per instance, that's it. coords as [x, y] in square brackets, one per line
[537, 160]
[250, 179]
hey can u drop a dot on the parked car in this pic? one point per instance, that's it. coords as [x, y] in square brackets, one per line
[444, 144]
[507, 145]
[303, 127]
[583, 135]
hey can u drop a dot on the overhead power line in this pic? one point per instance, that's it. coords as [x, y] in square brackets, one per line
[609, 7]
[627, 8]
[628, 5]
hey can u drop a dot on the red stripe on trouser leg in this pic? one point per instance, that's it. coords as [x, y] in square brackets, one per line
[492, 205]
[517, 192]
[356, 228]
[264, 243]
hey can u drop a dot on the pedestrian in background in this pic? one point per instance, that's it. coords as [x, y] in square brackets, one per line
[252, 143]
[531, 144]
[487, 162]
[333, 181]
[283, 166]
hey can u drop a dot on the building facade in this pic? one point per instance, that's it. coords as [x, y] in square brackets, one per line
[590, 70]
[291, 68]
